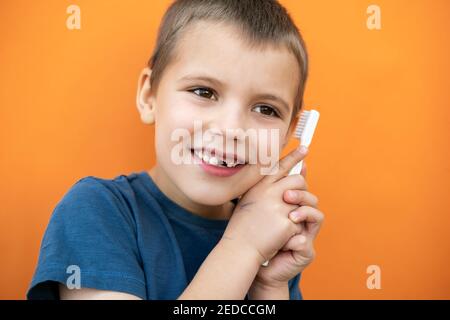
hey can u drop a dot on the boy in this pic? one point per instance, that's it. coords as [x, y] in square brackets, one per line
[198, 229]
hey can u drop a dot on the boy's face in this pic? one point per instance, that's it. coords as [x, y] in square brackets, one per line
[231, 102]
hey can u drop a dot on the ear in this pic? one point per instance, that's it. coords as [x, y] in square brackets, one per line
[144, 98]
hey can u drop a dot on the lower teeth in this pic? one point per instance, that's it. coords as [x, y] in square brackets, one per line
[220, 165]
[223, 165]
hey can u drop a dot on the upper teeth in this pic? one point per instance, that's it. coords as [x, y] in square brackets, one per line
[213, 160]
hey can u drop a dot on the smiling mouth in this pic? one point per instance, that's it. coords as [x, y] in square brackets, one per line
[209, 158]
[214, 168]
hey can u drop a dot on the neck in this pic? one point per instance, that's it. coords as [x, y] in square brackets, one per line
[166, 185]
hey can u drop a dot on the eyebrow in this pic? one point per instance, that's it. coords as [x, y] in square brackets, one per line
[266, 96]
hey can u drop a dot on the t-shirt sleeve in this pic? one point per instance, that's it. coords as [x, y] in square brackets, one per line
[294, 288]
[90, 242]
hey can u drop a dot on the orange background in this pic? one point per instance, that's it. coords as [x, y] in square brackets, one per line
[379, 161]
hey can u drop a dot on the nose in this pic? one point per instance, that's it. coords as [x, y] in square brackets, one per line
[229, 122]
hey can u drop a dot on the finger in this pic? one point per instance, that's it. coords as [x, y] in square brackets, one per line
[311, 217]
[282, 167]
[301, 198]
[300, 245]
[295, 182]
[295, 242]
[303, 172]
[298, 228]
[304, 253]
[295, 228]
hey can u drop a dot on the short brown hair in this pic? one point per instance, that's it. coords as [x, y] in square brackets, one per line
[261, 22]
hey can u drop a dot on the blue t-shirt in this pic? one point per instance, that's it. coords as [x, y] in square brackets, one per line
[124, 234]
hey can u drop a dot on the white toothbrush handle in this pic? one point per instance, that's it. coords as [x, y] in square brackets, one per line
[297, 168]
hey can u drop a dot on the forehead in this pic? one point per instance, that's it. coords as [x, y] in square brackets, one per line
[216, 50]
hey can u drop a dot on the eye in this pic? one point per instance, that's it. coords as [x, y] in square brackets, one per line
[202, 92]
[268, 111]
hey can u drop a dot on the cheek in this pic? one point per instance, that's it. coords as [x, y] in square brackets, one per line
[174, 113]
[269, 142]
[174, 128]
[180, 112]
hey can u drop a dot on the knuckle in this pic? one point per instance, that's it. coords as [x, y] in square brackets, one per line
[283, 167]
[320, 218]
[292, 156]
[300, 195]
[305, 184]
[302, 182]
[289, 160]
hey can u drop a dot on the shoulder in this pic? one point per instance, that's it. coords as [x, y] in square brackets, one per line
[91, 190]
[96, 193]
[92, 228]
[92, 206]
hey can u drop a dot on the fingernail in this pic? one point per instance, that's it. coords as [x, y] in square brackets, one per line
[301, 239]
[302, 149]
[295, 215]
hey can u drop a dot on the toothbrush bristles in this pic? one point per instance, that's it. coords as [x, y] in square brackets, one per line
[301, 124]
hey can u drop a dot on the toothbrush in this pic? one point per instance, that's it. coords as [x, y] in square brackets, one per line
[304, 131]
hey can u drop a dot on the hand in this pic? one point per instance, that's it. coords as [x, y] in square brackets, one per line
[260, 221]
[298, 252]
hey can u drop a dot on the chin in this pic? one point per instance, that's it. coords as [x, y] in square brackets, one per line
[207, 195]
